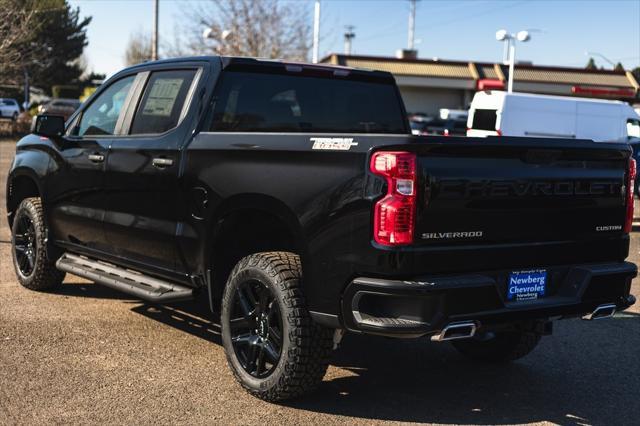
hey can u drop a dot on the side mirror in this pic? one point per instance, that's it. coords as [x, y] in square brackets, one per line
[48, 125]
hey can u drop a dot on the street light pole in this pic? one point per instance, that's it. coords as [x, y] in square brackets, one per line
[154, 35]
[504, 36]
[505, 52]
[316, 33]
[412, 25]
[512, 64]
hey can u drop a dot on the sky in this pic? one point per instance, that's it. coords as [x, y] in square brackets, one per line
[563, 31]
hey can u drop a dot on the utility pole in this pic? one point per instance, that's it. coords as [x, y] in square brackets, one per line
[348, 36]
[316, 33]
[154, 35]
[412, 25]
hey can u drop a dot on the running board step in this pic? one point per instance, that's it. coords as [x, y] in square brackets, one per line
[130, 282]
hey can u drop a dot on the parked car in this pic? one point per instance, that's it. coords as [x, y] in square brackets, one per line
[9, 108]
[60, 106]
[439, 127]
[454, 114]
[455, 127]
[300, 205]
[420, 124]
[523, 114]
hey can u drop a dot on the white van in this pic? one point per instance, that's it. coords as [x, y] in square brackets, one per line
[495, 113]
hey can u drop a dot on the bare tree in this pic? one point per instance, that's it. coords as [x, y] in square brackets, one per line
[16, 29]
[138, 49]
[258, 28]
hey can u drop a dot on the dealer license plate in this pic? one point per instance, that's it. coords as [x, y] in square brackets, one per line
[527, 285]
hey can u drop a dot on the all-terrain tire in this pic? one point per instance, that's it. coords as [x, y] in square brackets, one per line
[306, 346]
[503, 347]
[43, 274]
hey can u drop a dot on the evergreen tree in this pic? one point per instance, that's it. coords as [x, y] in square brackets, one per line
[59, 38]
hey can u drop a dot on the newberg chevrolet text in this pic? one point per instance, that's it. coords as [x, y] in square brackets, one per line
[295, 198]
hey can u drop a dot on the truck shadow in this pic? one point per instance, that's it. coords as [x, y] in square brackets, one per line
[80, 288]
[584, 374]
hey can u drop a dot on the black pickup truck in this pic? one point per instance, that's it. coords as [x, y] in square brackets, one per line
[295, 198]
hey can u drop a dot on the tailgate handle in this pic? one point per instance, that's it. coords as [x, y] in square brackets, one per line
[542, 156]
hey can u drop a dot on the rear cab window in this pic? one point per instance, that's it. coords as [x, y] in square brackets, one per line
[254, 101]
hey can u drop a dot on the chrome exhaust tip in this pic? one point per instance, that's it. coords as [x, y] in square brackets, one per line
[601, 312]
[456, 330]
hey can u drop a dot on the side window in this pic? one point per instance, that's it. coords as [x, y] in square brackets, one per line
[633, 128]
[162, 102]
[101, 116]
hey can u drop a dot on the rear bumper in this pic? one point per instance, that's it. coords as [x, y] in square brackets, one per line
[425, 305]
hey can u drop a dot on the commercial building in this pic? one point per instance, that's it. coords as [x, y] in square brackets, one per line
[428, 85]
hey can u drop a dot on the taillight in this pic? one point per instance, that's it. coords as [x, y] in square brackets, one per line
[499, 132]
[631, 180]
[394, 215]
[446, 132]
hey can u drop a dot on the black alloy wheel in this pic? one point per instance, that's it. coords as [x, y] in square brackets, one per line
[274, 349]
[256, 328]
[25, 245]
[34, 269]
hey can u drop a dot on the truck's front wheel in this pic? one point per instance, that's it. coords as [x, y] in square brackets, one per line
[502, 347]
[274, 349]
[34, 269]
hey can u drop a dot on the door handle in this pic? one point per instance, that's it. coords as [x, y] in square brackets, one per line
[96, 158]
[161, 163]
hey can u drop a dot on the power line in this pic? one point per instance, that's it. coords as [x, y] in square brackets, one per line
[484, 12]
[385, 33]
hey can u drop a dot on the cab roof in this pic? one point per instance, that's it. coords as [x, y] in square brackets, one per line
[278, 65]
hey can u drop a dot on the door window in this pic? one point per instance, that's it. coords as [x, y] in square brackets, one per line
[101, 116]
[162, 102]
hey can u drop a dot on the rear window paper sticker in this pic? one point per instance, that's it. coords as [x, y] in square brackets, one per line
[162, 97]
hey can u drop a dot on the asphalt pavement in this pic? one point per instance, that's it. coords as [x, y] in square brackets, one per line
[87, 354]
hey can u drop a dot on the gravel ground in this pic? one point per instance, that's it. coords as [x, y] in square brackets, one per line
[87, 354]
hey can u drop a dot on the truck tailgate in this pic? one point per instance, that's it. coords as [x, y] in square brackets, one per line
[519, 190]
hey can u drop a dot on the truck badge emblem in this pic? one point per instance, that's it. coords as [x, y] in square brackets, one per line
[339, 144]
